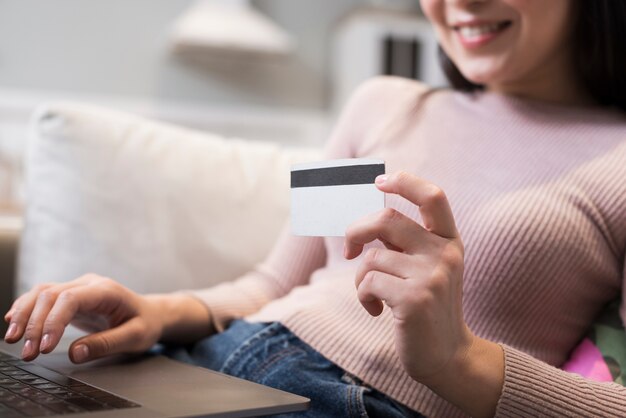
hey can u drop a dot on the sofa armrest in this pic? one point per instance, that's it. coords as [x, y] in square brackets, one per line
[9, 238]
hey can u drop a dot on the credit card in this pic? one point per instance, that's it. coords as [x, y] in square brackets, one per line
[327, 196]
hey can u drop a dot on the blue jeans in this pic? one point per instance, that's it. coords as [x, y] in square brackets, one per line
[271, 355]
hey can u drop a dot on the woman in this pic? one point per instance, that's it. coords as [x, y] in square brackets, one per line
[532, 161]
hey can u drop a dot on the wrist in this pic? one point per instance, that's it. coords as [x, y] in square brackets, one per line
[473, 379]
[460, 361]
[182, 317]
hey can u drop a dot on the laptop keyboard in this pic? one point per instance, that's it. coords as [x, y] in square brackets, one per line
[29, 390]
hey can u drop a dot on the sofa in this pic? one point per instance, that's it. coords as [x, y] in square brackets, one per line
[163, 208]
[9, 238]
[155, 206]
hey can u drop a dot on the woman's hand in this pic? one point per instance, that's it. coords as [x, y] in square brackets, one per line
[420, 277]
[121, 320]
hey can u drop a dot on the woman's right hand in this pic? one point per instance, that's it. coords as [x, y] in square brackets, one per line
[119, 320]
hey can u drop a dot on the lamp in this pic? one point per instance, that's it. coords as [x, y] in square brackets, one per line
[229, 27]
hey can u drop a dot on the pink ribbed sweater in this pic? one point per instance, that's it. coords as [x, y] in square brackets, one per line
[539, 196]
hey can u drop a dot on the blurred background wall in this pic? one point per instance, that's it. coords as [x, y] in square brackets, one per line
[121, 48]
[120, 54]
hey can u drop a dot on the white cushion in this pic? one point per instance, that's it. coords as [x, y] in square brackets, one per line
[154, 206]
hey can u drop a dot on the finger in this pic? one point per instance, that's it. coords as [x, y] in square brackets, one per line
[22, 309]
[389, 226]
[386, 261]
[32, 333]
[130, 337]
[377, 287]
[9, 314]
[70, 302]
[12, 328]
[432, 201]
[33, 340]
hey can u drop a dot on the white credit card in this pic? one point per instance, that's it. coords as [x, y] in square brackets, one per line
[327, 196]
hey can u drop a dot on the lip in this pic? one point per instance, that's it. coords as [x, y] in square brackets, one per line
[476, 33]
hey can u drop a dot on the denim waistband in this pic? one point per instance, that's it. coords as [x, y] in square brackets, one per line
[270, 354]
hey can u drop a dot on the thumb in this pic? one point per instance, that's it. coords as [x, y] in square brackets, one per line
[126, 338]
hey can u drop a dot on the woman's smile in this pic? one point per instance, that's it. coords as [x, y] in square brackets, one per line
[518, 47]
[474, 34]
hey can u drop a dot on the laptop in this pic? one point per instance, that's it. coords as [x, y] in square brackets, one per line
[129, 386]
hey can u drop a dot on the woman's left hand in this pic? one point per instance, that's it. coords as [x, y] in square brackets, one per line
[419, 276]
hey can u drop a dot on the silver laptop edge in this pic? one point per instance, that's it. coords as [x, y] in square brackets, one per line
[167, 388]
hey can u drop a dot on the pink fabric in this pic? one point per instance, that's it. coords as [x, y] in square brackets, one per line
[539, 197]
[587, 361]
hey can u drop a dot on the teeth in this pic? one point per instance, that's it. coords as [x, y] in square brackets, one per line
[476, 31]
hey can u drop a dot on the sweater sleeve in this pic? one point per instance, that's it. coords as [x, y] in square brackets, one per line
[534, 388]
[294, 259]
[290, 264]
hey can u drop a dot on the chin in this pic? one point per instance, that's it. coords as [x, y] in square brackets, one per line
[483, 74]
[487, 69]
[477, 79]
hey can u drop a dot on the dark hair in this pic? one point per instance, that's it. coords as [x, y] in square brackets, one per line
[599, 36]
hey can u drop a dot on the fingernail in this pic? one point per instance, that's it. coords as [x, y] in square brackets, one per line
[45, 343]
[11, 331]
[345, 252]
[381, 179]
[80, 353]
[28, 349]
